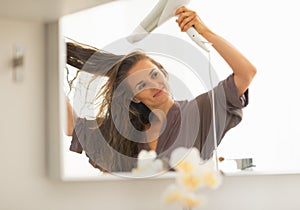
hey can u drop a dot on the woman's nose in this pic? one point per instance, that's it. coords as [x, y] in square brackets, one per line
[153, 84]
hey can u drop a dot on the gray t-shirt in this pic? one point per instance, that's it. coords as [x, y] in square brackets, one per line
[187, 124]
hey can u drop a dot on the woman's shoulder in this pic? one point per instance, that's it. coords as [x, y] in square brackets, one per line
[91, 123]
[92, 127]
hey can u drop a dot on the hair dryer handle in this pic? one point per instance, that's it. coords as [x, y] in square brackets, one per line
[196, 37]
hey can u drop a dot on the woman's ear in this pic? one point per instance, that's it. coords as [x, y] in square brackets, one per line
[135, 100]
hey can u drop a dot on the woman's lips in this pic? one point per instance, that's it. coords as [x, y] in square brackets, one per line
[159, 92]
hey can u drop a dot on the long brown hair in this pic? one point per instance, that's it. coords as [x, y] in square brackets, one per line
[115, 67]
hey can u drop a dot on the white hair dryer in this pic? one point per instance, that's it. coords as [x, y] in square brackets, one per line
[163, 11]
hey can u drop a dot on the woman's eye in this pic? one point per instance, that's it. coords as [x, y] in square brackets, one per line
[141, 86]
[154, 75]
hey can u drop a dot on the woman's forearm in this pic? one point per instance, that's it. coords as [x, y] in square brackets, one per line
[242, 68]
[70, 119]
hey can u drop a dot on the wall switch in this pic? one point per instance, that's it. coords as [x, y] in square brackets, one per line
[18, 63]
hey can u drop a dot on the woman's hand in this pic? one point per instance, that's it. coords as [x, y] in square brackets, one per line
[188, 18]
[242, 68]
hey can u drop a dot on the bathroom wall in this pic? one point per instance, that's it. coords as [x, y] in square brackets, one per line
[24, 184]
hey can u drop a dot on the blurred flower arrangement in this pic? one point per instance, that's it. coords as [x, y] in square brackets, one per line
[192, 174]
[148, 164]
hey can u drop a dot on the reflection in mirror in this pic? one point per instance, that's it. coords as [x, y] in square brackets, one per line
[123, 104]
[258, 138]
[158, 87]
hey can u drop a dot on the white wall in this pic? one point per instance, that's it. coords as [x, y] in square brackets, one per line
[24, 184]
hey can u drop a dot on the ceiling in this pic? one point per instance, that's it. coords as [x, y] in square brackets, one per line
[44, 10]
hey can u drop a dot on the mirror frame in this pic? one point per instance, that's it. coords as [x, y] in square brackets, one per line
[53, 100]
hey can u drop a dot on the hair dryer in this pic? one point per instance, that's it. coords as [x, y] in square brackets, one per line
[163, 11]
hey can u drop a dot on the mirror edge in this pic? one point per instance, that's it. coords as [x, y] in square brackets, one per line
[53, 126]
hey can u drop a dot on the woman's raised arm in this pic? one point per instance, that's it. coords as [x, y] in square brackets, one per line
[243, 70]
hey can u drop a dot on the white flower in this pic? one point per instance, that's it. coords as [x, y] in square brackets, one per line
[147, 164]
[191, 200]
[202, 175]
[192, 174]
[185, 159]
[176, 197]
[192, 180]
[145, 158]
[212, 178]
[172, 195]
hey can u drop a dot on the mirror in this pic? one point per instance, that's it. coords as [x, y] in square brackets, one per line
[268, 132]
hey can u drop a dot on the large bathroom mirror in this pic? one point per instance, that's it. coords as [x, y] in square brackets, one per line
[266, 32]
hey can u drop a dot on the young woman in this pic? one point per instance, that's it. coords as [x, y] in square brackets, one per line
[138, 111]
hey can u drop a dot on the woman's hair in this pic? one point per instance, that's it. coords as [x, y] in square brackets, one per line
[116, 97]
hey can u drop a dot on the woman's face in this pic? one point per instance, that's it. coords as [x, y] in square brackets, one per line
[148, 84]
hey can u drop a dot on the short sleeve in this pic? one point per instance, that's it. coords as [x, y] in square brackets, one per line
[232, 104]
[228, 113]
[83, 128]
[87, 133]
[75, 144]
[84, 131]
[94, 141]
[233, 100]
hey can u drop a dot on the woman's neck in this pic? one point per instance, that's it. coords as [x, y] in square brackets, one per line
[156, 124]
[162, 111]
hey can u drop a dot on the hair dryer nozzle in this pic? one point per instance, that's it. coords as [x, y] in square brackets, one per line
[137, 35]
[163, 11]
[149, 23]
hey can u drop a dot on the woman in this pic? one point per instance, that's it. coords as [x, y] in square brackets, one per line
[137, 92]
